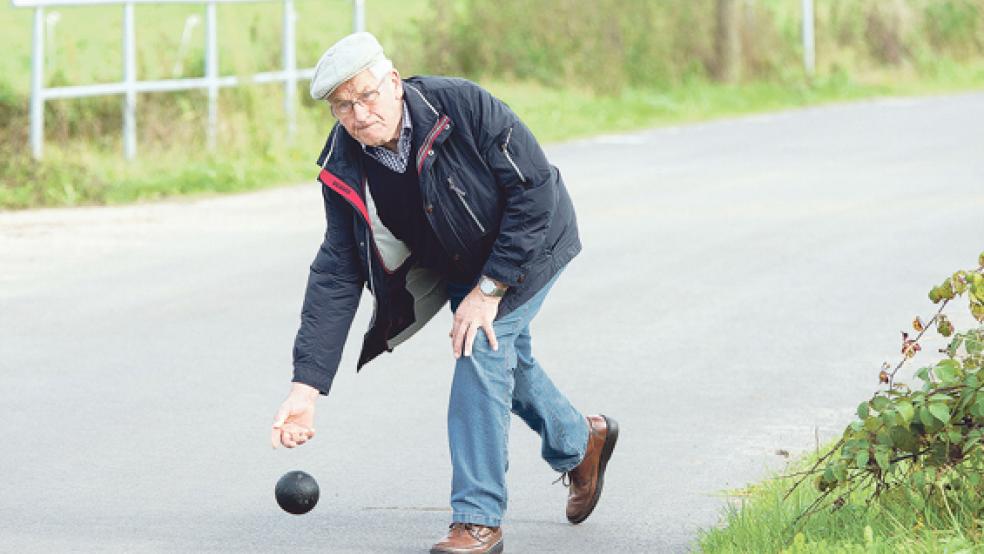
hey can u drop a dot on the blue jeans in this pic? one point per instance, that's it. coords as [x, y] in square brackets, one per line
[487, 386]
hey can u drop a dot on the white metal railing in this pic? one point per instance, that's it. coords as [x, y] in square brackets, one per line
[130, 86]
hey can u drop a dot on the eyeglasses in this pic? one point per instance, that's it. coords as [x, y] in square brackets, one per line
[366, 98]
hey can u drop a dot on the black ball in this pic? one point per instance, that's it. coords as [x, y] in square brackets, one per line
[297, 492]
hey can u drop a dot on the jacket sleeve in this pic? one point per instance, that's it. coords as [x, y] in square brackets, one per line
[334, 287]
[529, 185]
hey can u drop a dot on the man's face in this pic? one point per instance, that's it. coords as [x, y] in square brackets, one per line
[369, 108]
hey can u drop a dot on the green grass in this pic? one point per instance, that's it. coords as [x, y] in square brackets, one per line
[560, 114]
[253, 155]
[759, 521]
[83, 164]
[85, 46]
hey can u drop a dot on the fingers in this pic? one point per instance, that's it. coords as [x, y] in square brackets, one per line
[291, 435]
[464, 338]
[281, 417]
[278, 422]
[458, 337]
[470, 339]
[490, 334]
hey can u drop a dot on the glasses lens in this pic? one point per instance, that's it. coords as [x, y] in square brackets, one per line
[342, 108]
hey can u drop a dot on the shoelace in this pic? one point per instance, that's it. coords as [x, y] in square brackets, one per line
[564, 479]
[471, 528]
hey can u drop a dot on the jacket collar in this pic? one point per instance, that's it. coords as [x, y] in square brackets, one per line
[431, 126]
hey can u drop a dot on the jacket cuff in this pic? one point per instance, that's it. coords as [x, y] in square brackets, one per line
[504, 272]
[312, 378]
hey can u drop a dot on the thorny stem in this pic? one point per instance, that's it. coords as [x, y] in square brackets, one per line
[813, 469]
[926, 327]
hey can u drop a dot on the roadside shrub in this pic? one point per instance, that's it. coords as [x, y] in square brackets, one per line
[924, 442]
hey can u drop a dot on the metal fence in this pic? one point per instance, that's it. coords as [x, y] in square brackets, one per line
[129, 87]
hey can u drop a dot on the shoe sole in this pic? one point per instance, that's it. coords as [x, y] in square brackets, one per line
[606, 452]
[496, 549]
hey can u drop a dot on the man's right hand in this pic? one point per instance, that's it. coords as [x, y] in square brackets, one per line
[294, 423]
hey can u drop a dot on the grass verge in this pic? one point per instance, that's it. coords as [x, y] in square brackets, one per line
[760, 521]
[96, 174]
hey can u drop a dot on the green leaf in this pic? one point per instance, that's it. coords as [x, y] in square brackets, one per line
[967, 397]
[828, 474]
[872, 424]
[947, 370]
[904, 439]
[974, 344]
[861, 459]
[980, 403]
[884, 437]
[940, 411]
[926, 417]
[959, 281]
[863, 410]
[923, 374]
[906, 412]
[971, 380]
[978, 408]
[951, 350]
[883, 458]
[879, 403]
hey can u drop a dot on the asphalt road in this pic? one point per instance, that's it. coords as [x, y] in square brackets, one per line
[741, 283]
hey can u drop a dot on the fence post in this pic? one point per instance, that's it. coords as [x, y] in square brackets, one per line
[211, 72]
[290, 69]
[809, 40]
[130, 78]
[37, 84]
[358, 16]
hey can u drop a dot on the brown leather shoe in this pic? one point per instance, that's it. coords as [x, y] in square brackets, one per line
[587, 478]
[469, 538]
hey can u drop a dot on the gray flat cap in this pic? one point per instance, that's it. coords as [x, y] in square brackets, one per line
[344, 60]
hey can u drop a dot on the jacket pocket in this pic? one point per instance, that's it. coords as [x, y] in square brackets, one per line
[517, 159]
[505, 152]
[461, 194]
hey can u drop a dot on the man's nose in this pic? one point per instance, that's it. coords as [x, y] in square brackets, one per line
[360, 112]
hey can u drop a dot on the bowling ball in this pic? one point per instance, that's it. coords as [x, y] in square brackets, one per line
[297, 492]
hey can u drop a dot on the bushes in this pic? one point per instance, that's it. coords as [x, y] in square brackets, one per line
[610, 44]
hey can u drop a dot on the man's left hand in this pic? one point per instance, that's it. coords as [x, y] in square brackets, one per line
[476, 311]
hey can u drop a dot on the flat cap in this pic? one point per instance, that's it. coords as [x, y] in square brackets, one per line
[344, 60]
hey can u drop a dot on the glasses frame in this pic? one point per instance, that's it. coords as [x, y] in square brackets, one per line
[366, 99]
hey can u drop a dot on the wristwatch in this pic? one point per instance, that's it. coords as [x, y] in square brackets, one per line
[489, 287]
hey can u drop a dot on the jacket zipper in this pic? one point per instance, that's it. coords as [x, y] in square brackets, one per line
[369, 241]
[505, 150]
[369, 259]
[461, 196]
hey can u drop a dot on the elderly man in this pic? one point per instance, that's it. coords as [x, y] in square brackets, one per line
[435, 190]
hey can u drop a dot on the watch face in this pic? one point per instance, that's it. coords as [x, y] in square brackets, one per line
[486, 286]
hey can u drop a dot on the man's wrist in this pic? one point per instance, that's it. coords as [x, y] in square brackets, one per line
[491, 288]
[303, 390]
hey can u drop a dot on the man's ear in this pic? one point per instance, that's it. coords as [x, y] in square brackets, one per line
[399, 84]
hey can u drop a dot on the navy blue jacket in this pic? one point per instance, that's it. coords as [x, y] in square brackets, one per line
[494, 201]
